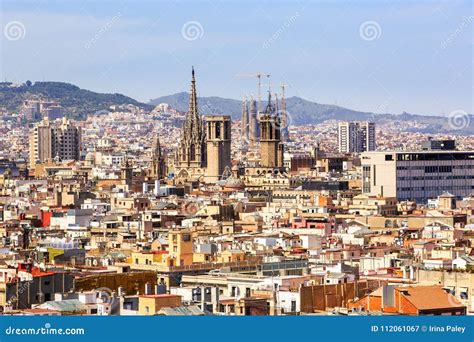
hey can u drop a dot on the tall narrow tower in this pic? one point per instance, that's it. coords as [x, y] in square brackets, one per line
[271, 148]
[126, 172]
[218, 136]
[253, 122]
[191, 150]
[158, 163]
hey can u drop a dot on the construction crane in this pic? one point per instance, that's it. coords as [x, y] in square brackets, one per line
[259, 84]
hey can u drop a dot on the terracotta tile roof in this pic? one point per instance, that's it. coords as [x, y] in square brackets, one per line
[430, 297]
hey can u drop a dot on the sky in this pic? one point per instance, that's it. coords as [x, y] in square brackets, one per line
[377, 56]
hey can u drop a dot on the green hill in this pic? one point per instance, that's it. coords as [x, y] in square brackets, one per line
[77, 102]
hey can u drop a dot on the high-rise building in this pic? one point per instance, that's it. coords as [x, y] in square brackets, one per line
[356, 137]
[218, 137]
[418, 175]
[191, 155]
[271, 147]
[49, 140]
[366, 136]
[67, 141]
[41, 143]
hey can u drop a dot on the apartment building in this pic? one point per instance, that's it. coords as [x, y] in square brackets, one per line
[356, 136]
[48, 140]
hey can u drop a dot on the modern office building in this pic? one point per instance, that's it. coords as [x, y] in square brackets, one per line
[418, 175]
[434, 144]
[356, 136]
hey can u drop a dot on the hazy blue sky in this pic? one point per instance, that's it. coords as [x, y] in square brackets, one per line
[382, 56]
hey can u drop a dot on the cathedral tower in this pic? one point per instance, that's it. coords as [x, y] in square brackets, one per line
[158, 163]
[218, 134]
[126, 172]
[271, 148]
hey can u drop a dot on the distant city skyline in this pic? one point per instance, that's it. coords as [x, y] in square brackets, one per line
[380, 57]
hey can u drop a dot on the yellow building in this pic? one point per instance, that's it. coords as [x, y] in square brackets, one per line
[147, 258]
[151, 304]
[231, 255]
[180, 250]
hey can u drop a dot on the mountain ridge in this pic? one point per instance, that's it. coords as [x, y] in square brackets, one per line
[303, 112]
[78, 103]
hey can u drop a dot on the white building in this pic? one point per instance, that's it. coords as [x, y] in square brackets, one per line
[418, 175]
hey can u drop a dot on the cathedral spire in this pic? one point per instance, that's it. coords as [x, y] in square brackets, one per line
[193, 123]
[191, 152]
[156, 147]
[193, 110]
[270, 108]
